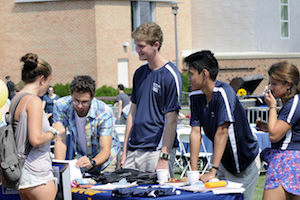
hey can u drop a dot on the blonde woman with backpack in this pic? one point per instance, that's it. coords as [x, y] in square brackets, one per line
[37, 180]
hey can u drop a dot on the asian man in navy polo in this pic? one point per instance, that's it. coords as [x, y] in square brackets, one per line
[216, 108]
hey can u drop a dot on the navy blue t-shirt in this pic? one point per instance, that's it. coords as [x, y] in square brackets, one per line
[290, 113]
[49, 103]
[241, 148]
[155, 93]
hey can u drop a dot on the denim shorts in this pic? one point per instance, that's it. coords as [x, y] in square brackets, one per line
[29, 180]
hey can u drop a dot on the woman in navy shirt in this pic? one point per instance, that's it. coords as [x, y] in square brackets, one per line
[283, 175]
[48, 102]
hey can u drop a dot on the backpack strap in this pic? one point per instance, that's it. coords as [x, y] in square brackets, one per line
[28, 146]
[12, 119]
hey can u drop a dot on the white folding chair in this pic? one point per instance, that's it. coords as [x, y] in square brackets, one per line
[184, 137]
[120, 129]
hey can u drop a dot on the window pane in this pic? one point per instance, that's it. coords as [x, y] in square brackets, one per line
[284, 13]
[134, 22]
[145, 11]
[284, 29]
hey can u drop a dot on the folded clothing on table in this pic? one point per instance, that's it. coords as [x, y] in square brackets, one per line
[144, 192]
[131, 175]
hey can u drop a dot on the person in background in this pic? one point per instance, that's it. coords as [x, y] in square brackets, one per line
[4, 112]
[37, 180]
[48, 102]
[216, 108]
[150, 136]
[89, 121]
[11, 88]
[283, 174]
[123, 101]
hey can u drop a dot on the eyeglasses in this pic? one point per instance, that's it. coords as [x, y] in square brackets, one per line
[83, 103]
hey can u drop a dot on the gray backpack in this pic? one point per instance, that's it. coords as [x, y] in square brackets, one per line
[10, 163]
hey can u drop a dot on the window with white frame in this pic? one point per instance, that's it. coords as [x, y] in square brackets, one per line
[141, 12]
[284, 19]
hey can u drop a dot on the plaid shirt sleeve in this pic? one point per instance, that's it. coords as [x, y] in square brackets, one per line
[58, 113]
[106, 124]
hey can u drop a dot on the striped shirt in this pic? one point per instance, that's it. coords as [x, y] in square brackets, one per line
[99, 122]
[290, 113]
[241, 148]
[155, 93]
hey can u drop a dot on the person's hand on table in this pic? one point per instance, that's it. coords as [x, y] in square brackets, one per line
[208, 176]
[122, 160]
[162, 164]
[84, 162]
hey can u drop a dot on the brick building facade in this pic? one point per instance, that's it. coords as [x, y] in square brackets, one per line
[93, 37]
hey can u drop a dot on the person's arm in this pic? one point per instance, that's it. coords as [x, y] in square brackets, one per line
[195, 144]
[129, 123]
[277, 128]
[60, 147]
[120, 110]
[220, 141]
[101, 157]
[44, 104]
[168, 139]
[35, 117]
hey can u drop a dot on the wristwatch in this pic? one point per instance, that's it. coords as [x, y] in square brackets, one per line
[164, 156]
[53, 131]
[93, 162]
[215, 167]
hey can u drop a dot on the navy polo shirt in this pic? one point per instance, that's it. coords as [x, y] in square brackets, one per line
[241, 148]
[155, 93]
[290, 113]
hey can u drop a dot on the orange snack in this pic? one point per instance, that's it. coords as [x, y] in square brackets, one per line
[215, 184]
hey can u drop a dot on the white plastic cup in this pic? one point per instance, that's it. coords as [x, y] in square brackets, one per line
[193, 177]
[162, 175]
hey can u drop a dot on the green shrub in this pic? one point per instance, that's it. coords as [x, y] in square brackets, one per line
[185, 82]
[62, 90]
[128, 91]
[19, 86]
[106, 91]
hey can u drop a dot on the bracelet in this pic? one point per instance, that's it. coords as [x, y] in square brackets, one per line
[272, 107]
[214, 167]
[53, 131]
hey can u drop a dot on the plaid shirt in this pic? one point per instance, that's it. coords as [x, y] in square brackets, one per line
[99, 122]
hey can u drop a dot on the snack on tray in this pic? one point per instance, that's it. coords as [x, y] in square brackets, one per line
[176, 180]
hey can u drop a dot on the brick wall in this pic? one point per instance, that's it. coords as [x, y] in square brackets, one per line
[81, 37]
[62, 33]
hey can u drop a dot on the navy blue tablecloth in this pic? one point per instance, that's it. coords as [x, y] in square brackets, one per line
[88, 194]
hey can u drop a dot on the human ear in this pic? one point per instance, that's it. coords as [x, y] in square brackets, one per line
[156, 44]
[42, 79]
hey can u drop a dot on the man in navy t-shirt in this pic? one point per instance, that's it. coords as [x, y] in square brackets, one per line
[216, 108]
[152, 120]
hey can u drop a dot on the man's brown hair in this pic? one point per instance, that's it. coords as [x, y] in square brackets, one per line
[149, 32]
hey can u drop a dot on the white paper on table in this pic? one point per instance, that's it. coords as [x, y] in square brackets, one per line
[231, 187]
[74, 171]
[225, 190]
